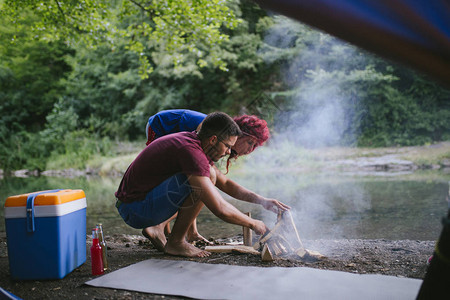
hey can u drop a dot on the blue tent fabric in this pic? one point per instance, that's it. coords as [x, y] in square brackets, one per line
[412, 32]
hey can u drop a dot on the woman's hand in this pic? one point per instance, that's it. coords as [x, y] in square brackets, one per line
[274, 205]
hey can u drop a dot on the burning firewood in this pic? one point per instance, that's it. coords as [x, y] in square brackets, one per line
[247, 233]
[232, 249]
[266, 255]
[284, 240]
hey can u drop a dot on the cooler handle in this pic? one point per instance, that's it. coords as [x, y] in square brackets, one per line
[30, 209]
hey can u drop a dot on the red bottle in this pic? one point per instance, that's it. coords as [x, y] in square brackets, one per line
[96, 254]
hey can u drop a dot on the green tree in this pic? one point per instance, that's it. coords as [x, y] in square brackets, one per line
[211, 89]
[188, 31]
[30, 73]
[29, 77]
[103, 88]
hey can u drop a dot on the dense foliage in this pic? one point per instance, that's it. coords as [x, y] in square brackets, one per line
[76, 76]
[185, 31]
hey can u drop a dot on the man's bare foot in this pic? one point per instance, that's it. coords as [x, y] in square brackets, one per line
[156, 236]
[184, 249]
[197, 237]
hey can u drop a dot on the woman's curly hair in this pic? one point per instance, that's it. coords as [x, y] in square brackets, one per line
[253, 126]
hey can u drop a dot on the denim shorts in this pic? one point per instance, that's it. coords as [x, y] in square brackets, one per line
[161, 203]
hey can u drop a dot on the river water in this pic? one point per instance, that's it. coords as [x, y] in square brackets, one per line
[325, 205]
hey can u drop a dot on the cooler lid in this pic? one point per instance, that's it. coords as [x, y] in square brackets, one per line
[52, 198]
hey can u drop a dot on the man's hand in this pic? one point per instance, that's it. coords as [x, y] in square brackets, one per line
[259, 227]
[274, 205]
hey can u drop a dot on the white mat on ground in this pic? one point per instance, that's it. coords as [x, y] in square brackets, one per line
[218, 281]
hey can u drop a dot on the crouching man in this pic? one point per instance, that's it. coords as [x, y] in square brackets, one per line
[175, 174]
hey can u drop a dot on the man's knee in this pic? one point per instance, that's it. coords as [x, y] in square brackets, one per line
[212, 175]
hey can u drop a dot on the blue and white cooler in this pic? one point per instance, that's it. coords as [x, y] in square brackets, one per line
[46, 233]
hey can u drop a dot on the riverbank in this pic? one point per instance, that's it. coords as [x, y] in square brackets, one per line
[393, 159]
[405, 258]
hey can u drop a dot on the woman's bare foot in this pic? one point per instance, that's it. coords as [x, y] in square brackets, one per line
[183, 248]
[197, 237]
[156, 236]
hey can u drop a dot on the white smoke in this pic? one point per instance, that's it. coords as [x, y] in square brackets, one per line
[319, 117]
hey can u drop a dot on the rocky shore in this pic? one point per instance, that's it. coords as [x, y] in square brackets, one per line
[369, 160]
[388, 163]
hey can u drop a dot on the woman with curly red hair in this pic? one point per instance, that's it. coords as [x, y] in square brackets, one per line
[255, 133]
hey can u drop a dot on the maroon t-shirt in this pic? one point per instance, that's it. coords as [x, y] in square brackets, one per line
[171, 154]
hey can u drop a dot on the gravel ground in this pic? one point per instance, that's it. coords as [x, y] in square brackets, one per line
[403, 258]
